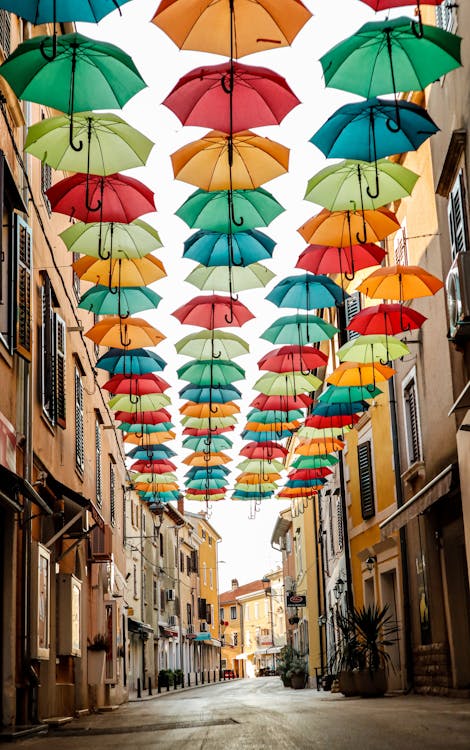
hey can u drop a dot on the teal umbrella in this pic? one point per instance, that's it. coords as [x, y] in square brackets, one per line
[299, 329]
[145, 429]
[307, 291]
[347, 394]
[314, 462]
[218, 443]
[210, 372]
[130, 362]
[201, 484]
[265, 437]
[222, 249]
[271, 415]
[217, 394]
[100, 300]
[151, 452]
[215, 210]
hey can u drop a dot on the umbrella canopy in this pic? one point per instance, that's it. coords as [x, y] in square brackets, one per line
[231, 29]
[143, 417]
[217, 443]
[110, 143]
[155, 487]
[138, 439]
[156, 467]
[217, 394]
[241, 161]
[299, 329]
[286, 383]
[316, 448]
[120, 273]
[264, 451]
[200, 458]
[149, 402]
[215, 210]
[258, 466]
[208, 422]
[389, 319]
[347, 394]
[207, 372]
[400, 283]
[369, 130]
[111, 239]
[265, 437]
[137, 385]
[124, 334]
[291, 358]
[45, 11]
[321, 259]
[130, 362]
[117, 196]
[259, 97]
[338, 420]
[151, 452]
[223, 279]
[141, 429]
[344, 228]
[318, 473]
[352, 373]
[306, 292]
[268, 486]
[314, 433]
[166, 476]
[273, 427]
[196, 472]
[192, 409]
[304, 483]
[301, 401]
[194, 432]
[101, 300]
[375, 347]
[266, 417]
[386, 4]
[314, 462]
[212, 345]
[337, 410]
[384, 57]
[222, 249]
[213, 311]
[200, 484]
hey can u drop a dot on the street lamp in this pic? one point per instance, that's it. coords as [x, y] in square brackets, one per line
[370, 563]
[268, 590]
[338, 588]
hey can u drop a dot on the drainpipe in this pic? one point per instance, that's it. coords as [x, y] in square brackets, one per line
[320, 572]
[403, 542]
[180, 607]
[347, 551]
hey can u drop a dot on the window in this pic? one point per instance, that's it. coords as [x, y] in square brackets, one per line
[339, 519]
[188, 565]
[162, 600]
[52, 358]
[161, 545]
[445, 15]
[247, 611]
[204, 573]
[76, 277]
[112, 494]
[134, 580]
[352, 305]
[234, 639]
[457, 216]
[211, 579]
[411, 413]
[79, 422]
[60, 371]
[155, 592]
[288, 539]
[24, 252]
[208, 617]
[233, 613]
[366, 482]
[98, 475]
[189, 614]
[221, 615]
[203, 534]
[256, 609]
[5, 32]
[209, 539]
[400, 247]
[181, 562]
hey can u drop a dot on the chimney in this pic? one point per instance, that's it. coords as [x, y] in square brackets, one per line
[180, 504]
[234, 584]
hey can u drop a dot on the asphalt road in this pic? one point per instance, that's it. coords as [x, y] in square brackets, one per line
[261, 713]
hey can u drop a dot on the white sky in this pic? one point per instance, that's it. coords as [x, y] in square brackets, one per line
[245, 547]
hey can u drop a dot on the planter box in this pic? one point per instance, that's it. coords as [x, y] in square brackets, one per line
[297, 681]
[347, 683]
[96, 663]
[371, 684]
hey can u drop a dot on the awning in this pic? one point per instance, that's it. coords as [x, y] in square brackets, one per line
[203, 637]
[241, 656]
[136, 626]
[167, 633]
[437, 488]
[61, 490]
[12, 485]
[270, 650]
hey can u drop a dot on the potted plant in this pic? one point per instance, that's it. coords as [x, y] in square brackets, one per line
[375, 631]
[346, 656]
[97, 649]
[286, 655]
[298, 673]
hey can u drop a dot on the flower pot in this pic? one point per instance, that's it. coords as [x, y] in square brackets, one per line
[371, 684]
[286, 681]
[96, 662]
[347, 683]
[297, 681]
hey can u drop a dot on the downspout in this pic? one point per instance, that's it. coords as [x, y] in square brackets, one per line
[319, 582]
[347, 555]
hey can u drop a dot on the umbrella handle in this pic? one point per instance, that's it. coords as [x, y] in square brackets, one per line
[125, 343]
[417, 27]
[213, 353]
[362, 240]
[102, 254]
[208, 440]
[139, 434]
[396, 127]
[369, 192]
[229, 318]
[133, 400]
[42, 48]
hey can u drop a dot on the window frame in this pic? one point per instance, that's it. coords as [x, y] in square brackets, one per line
[79, 420]
[411, 380]
[367, 443]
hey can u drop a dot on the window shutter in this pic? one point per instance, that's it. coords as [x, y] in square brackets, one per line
[400, 247]
[352, 306]
[444, 15]
[79, 442]
[24, 253]
[457, 217]
[412, 425]
[48, 381]
[208, 616]
[202, 606]
[366, 482]
[194, 561]
[76, 277]
[99, 476]
[339, 519]
[162, 599]
[112, 494]
[5, 32]
[60, 338]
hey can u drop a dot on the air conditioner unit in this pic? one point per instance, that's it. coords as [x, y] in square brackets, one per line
[172, 621]
[458, 296]
[170, 595]
[101, 543]
[204, 627]
[289, 583]
[190, 630]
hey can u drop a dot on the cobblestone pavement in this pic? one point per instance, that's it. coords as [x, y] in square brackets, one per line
[261, 713]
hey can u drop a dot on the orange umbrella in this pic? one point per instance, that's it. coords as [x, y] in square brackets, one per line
[339, 228]
[221, 162]
[157, 437]
[292, 492]
[120, 272]
[319, 447]
[155, 486]
[192, 409]
[122, 333]
[250, 478]
[400, 283]
[354, 373]
[211, 26]
[271, 426]
[200, 458]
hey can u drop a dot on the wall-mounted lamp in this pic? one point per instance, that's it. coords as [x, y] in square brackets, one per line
[370, 563]
[338, 588]
[322, 620]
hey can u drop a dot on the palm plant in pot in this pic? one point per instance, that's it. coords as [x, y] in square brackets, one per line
[298, 673]
[346, 659]
[375, 631]
[286, 656]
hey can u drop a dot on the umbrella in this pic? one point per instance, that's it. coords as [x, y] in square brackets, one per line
[140, 428]
[354, 373]
[266, 486]
[299, 329]
[213, 311]
[306, 292]
[386, 318]
[192, 409]
[304, 483]
[264, 451]
[217, 394]
[341, 228]
[156, 487]
[267, 417]
[111, 239]
[159, 466]
[314, 462]
[100, 300]
[347, 394]
[291, 358]
[208, 422]
[194, 432]
[232, 28]
[386, 4]
[131, 361]
[301, 401]
[254, 276]
[206, 372]
[217, 442]
[143, 417]
[121, 198]
[241, 161]
[257, 466]
[166, 476]
[313, 433]
[273, 427]
[286, 383]
[216, 210]
[319, 472]
[316, 448]
[385, 57]
[400, 283]
[139, 385]
[196, 472]
[151, 452]
[83, 74]
[337, 410]
[259, 97]
[56, 11]
[120, 273]
[212, 345]
[200, 458]
[373, 348]
[222, 249]
[200, 484]
[256, 495]
[320, 259]
[159, 437]
[124, 334]
[149, 402]
[340, 420]
[265, 437]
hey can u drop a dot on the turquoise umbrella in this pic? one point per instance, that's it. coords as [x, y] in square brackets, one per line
[314, 462]
[101, 300]
[201, 484]
[347, 394]
[264, 437]
[270, 416]
[150, 452]
[215, 210]
[145, 429]
[299, 329]
[130, 361]
[210, 372]
[344, 409]
[219, 249]
[218, 443]
[307, 291]
[196, 472]
[218, 394]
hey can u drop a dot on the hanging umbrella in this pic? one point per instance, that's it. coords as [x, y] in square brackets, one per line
[265, 437]
[149, 402]
[259, 97]
[322, 259]
[151, 452]
[222, 249]
[292, 329]
[196, 472]
[256, 495]
[121, 198]
[400, 283]
[301, 401]
[337, 410]
[159, 437]
[200, 458]
[130, 362]
[291, 358]
[217, 394]
[347, 394]
[306, 292]
[286, 383]
[389, 319]
[156, 467]
[373, 348]
[143, 417]
[268, 486]
[314, 462]
[318, 473]
[120, 273]
[83, 74]
[316, 448]
[218, 443]
[220, 161]
[255, 466]
[275, 428]
[141, 429]
[208, 422]
[111, 239]
[341, 228]
[123, 334]
[218, 210]
[192, 409]
[386, 4]
[264, 451]
[56, 11]
[156, 487]
[212, 345]
[200, 484]
[213, 311]
[320, 422]
[313, 433]
[270, 415]
[194, 432]
[304, 483]
[219, 278]
[139, 385]
[100, 300]
[150, 477]
[232, 28]
[354, 373]
[208, 372]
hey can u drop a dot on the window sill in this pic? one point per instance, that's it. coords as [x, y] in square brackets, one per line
[414, 472]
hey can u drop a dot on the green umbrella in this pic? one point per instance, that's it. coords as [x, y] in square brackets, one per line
[111, 239]
[167, 476]
[208, 372]
[313, 433]
[212, 345]
[199, 423]
[343, 394]
[314, 462]
[376, 347]
[130, 299]
[214, 210]
[299, 329]
[272, 415]
[258, 466]
[149, 402]
[286, 383]
[264, 486]
[230, 279]
[217, 442]
[201, 484]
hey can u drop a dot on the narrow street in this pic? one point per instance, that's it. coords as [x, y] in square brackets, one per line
[262, 714]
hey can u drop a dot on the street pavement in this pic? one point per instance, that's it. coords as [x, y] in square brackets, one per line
[261, 713]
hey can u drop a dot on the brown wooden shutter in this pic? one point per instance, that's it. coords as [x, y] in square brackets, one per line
[61, 370]
[366, 481]
[24, 257]
[79, 423]
[412, 424]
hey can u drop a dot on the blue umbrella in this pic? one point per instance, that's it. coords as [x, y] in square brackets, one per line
[150, 452]
[208, 482]
[305, 482]
[205, 395]
[145, 429]
[198, 472]
[272, 415]
[46, 11]
[239, 249]
[162, 497]
[101, 300]
[218, 443]
[264, 437]
[130, 362]
[306, 292]
[344, 394]
[243, 495]
[334, 410]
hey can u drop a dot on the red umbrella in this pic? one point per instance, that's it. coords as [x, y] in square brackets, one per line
[115, 198]
[211, 491]
[266, 450]
[213, 311]
[143, 417]
[301, 474]
[153, 467]
[259, 97]
[389, 319]
[196, 432]
[341, 420]
[293, 359]
[281, 403]
[137, 385]
[322, 259]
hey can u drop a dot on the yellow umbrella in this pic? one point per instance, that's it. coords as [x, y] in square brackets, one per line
[319, 447]
[339, 228]
[200, 458]
[124, 333]
[400, 283]
[192, 409]
[218, 161]
[249, 478]
[118, 272]
[157, 438]
[355, 373]
[271, 426]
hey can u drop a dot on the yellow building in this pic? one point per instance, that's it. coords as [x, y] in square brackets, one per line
[264, 630]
